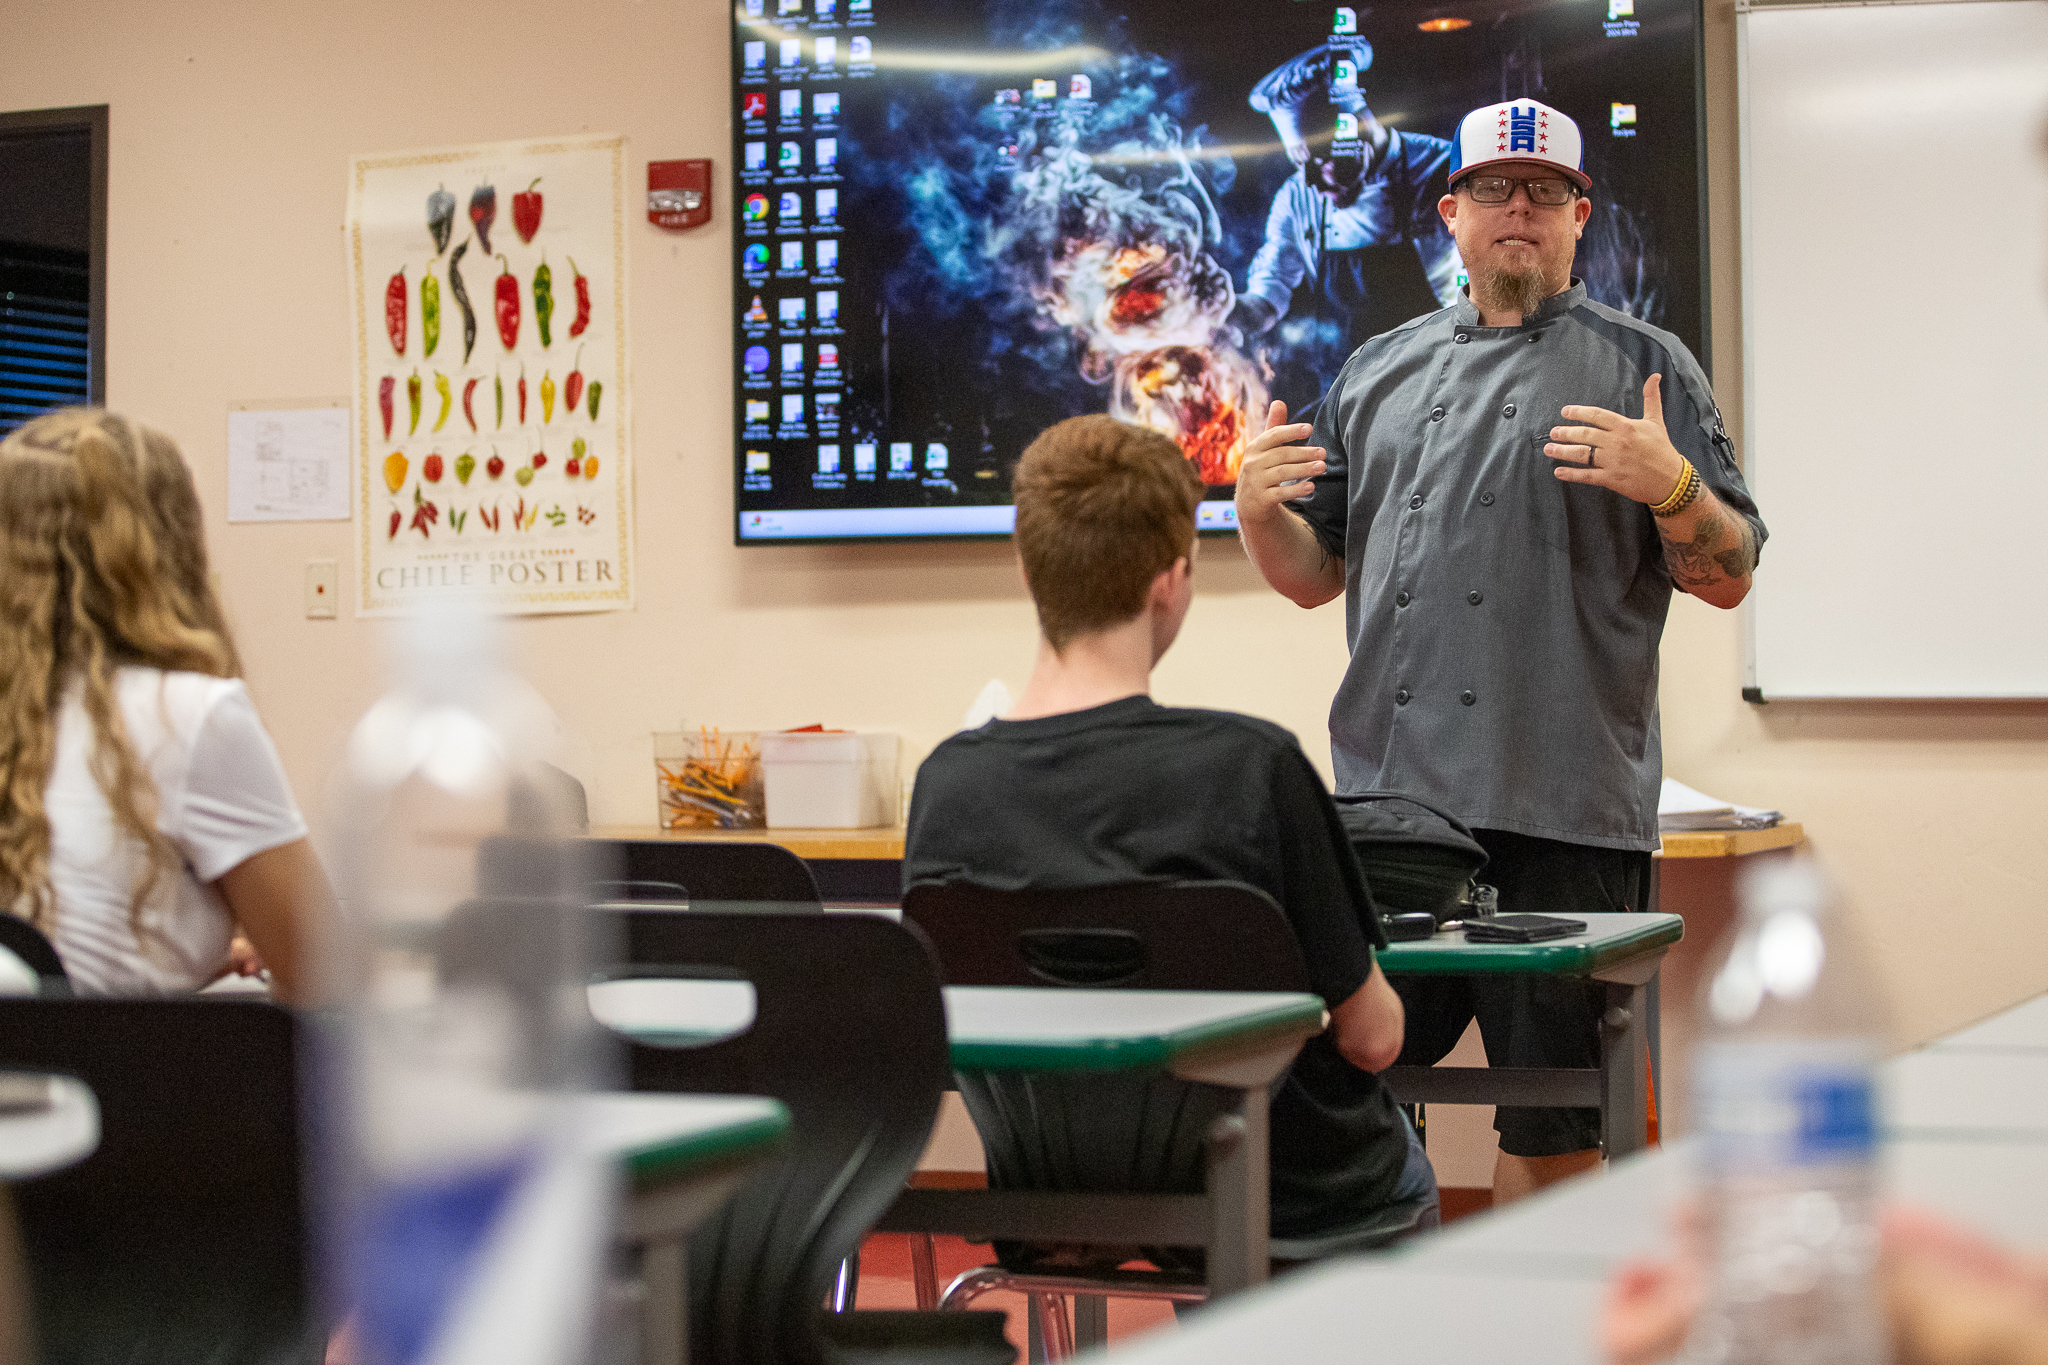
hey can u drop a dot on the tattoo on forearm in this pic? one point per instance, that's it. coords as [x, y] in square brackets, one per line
[1715, 553]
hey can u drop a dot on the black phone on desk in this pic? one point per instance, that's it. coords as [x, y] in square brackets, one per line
[1521, 928]
[1406, 928]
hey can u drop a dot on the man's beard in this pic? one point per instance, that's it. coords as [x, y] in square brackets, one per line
[1513, 291]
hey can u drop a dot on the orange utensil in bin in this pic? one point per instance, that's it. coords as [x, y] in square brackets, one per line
[709, 779]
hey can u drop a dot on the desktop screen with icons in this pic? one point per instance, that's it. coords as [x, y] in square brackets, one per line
[959, 221]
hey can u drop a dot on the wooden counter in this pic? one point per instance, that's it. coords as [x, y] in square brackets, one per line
[884, 841]
[1732, 843]
[887, 841]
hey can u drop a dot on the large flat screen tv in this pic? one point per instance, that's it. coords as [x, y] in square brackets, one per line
[958, 221]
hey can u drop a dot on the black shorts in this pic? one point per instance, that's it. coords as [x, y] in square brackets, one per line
[1545, 1021]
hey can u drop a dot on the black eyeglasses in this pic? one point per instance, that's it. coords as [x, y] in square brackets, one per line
[1498, 189]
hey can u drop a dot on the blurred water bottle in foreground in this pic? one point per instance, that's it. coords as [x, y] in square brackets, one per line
[1788, 1119]
[465, 1218]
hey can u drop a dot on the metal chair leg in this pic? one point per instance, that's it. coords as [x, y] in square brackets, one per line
[1049, 1312]
[1091, 1321]
[924, 1270]
[846, 1285]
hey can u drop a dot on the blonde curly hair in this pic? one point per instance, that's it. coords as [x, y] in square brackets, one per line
[102, 564]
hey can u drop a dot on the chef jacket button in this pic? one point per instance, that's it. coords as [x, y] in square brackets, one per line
[1401, 697]
[1463, 337]
[1532, 336]
[1415, 502]
[1486, 499]
[1436, 414]
[1475, 597]
[1508, 411]
[1467, 698]
[1400, 599]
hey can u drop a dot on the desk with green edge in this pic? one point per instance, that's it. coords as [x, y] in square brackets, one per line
[683, 1156]
[1622, 951]
[1240, 1041]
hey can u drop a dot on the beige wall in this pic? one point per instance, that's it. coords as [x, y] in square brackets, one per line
[231, 126]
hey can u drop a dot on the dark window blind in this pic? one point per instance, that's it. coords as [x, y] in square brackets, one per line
[44, 356]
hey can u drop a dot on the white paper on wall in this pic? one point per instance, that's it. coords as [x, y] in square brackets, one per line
[288, 464]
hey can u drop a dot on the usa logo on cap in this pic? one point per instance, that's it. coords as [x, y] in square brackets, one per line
[1520, 130]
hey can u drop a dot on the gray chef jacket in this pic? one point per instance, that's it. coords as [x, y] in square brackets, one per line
[1504, 623]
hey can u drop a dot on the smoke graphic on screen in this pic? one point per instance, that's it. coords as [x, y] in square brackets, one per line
[1086, 238]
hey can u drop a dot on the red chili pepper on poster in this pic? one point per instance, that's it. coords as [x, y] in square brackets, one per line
[526, 212]
[468, 397]
[424, 514]
[397, 520]
[582, 307]
[522, 393]
[572, 387]
[387, 399]
[394, 309]
[430, 468]
[508, 306]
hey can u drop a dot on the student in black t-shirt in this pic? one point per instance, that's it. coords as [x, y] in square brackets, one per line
[1088, 782]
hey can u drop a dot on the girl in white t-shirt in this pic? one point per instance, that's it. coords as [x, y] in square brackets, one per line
[144, 815]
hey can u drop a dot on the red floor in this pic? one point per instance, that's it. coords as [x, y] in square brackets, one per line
[885, 1283]
[885, 1280]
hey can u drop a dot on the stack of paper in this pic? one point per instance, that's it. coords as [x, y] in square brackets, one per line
[1679, 807]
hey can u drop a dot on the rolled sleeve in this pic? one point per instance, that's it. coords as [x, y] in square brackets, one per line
[1693, 421]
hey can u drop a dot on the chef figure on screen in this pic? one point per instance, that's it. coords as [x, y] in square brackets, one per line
[1354, 236]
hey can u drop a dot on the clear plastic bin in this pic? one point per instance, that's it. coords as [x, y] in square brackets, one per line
[709, 779]
[832, 779]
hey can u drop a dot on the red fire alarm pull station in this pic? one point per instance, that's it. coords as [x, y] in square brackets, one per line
[679, 193]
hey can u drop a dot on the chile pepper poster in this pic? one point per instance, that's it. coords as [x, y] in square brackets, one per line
[490, 328]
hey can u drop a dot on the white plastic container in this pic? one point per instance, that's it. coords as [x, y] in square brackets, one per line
[826, 780]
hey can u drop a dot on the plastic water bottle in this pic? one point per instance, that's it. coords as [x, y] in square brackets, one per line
[465, 1215]
[1788, 1125]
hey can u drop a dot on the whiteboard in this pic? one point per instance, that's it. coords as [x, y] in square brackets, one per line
[1895, 347]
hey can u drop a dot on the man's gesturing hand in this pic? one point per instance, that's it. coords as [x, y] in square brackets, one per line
[1275, 469]
[1634, 458]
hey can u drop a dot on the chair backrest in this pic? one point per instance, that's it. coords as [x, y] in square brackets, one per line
[1215, 936]
[618, 893]
[1107, 1133]
[182, 1235]
[27, 942]
[849, 1032]
[725, 875]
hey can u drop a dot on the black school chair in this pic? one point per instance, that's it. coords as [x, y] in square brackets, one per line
[849, 1032]
[182, 1235]
[1110, 1133]
[27, 942]
[718, 876]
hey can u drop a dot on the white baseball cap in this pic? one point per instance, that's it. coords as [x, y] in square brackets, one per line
[1519, 130]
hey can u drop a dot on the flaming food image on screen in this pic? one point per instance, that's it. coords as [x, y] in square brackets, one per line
[1126, 268]
[1174, 212]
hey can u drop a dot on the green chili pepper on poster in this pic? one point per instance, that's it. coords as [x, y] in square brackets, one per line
[430, 309]
[412, 401]
[498, 387]
[543, 299]
[595, 389]
[447, 398]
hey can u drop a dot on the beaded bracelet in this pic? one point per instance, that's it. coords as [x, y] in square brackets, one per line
[1681, 496]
